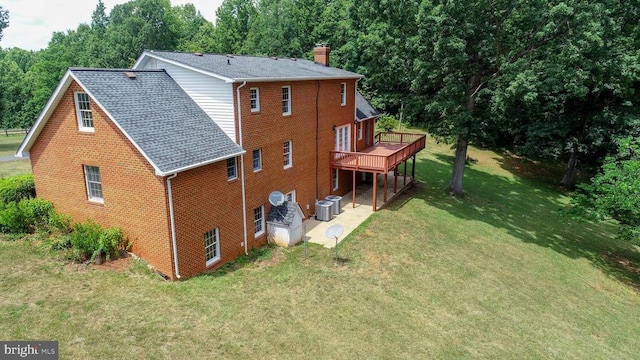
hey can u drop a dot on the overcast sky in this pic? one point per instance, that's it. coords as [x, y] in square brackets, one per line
[32, 22]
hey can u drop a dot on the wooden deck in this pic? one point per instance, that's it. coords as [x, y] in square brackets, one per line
[390, 149]
[388, 152]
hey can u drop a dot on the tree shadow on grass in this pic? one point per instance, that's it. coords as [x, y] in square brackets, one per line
[528, 211]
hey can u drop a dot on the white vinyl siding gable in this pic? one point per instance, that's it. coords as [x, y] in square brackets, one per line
[213, 95]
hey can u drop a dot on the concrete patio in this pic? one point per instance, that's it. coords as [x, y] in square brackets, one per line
[351, 217]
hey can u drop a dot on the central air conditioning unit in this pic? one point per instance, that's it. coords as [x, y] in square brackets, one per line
[324, 210]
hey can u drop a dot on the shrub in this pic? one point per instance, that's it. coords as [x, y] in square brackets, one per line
[36, 213]
[85, 239]
[11, 219]
[90, 240]
[387, 122]
[110, 242]
[59, 223]
[16, 188]
[27, 216]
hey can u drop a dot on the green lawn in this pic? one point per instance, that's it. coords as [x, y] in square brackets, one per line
[8, 146]
[497, 275]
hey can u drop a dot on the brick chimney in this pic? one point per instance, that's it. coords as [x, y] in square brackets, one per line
[321, 54]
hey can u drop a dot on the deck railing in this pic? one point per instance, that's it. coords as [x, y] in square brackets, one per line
[380, 163]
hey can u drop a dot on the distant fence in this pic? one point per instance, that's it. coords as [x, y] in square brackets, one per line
[8, 132]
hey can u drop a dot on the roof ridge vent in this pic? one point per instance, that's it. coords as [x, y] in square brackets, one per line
[274, 58]
[130, 74]
[197, 54]
[230, 55]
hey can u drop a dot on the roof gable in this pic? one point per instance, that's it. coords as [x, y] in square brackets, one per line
[166, 126]
[235, 68]
[364, 110]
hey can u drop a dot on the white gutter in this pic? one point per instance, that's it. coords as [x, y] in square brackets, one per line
[301, 78]
[203, 163]
[244, 197]
[173, 224]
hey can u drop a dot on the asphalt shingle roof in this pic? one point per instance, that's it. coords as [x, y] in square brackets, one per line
[283, 214]
[238, 68]
[165, 123]
[364, 110]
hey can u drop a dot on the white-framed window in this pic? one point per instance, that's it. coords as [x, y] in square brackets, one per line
[291, 196]
[257, 160]
[334, 179]
[232, 169]
[254, 94]
[286, 100]
[258, 221]
[94, 183]
[288, 154]
[83, 111]
[359, 131]
[212, 246]
[343, 138]
[343, 93]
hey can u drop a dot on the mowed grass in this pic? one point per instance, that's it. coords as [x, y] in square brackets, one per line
[8, 146]
[497, 275]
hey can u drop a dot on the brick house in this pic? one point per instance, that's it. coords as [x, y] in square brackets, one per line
[138, 149]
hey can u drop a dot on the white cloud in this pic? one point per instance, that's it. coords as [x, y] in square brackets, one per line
[32, 22]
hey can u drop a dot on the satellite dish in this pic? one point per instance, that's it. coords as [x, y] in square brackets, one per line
[276, 198]
[334, 231]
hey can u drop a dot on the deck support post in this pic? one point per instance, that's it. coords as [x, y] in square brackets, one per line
[404, 180]
[395, 179]
[413, 169]
[375, 188]
[353, 198]
[385, 186]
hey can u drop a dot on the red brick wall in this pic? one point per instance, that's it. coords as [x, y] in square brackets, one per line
[268, 129]
[205, 200]
[134, 198]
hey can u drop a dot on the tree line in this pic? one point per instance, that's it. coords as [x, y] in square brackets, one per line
[551, 79]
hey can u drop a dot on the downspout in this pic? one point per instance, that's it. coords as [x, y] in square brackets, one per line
[317, 131]
[244, 197]
[173, 224]
[355, 115]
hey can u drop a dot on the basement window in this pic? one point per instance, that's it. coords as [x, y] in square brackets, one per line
[83, 112]
[258, 221]
[212, 246]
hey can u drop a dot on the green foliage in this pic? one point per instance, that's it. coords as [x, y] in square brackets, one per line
[615, 192]
[90, 240]
[387, 122]
[27, 216]
[36, 213]
[16, 188]
[59, 224]
[11, 219]
[4, 20]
